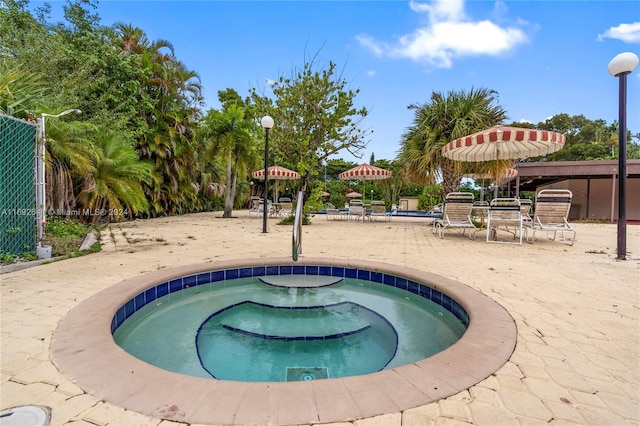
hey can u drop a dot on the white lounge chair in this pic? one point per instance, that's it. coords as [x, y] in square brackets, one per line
[505, 214]
[286, 207]
[271, 209]
[525, 211]
[332, 212]
[356, 210]
[255, 206]
[456, 214]
[378, 209]
[551, 215]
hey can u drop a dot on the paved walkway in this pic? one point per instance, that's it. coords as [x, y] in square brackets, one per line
[577, 309]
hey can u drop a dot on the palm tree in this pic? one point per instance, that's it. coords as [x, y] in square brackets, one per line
[21, 93]
[170, 99]
[230, 136]
[131, 39]
[68, 158]
[439, 121]
[112, 187]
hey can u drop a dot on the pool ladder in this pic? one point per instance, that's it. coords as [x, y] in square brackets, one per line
[297, 228]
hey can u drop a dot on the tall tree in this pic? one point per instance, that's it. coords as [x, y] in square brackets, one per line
[170, 98]
[439, 121]
[121, 80]
[230, 136]
[315, 117]
[68, 145]
[586, 139]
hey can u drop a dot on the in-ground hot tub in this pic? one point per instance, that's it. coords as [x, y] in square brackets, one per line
[84, 349]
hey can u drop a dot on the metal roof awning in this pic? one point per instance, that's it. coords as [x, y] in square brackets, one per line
[534, 175]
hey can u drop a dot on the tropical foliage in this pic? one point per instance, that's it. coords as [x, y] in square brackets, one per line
[229, 137]
[143, 145]
[128, 87]
[444, 118]
[588, 139]
[315, 117]
[112, 185]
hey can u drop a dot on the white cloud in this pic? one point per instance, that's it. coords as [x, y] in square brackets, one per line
[371, 73]
[629, 33]
[449, 35]
[500, 10]
[440, 10]
[370, 44]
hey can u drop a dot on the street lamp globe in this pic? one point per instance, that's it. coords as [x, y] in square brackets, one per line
[624, 62]
[266, 122]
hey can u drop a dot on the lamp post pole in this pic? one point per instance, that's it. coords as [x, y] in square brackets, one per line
[41, 195]
[267, 123]
[620, 66]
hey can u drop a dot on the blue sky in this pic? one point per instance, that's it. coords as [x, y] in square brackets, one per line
[542, 57]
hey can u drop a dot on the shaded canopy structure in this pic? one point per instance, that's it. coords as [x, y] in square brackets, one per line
[503, 143]
[276, 173]
[365, 172]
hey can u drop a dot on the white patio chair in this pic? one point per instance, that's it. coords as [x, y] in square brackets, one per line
[456, 214]
[504, 214]
[356, 210]
[255, 206]
[286, 207]
[378, 209]
[332, 212]
[551, 215]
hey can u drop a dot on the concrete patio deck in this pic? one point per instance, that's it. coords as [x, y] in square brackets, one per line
[577, 309]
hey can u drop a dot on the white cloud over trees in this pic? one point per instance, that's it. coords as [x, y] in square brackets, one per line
[450, 34]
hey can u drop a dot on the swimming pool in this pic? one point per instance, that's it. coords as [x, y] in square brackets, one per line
[287, 323]
[84, 350]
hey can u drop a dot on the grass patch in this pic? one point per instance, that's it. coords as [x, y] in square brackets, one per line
[64, 236]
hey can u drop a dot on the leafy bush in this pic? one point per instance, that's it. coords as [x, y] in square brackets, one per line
[289, 220]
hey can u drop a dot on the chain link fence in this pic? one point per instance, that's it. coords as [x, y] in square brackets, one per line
[17, 186]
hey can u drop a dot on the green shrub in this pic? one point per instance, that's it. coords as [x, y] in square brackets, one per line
[65, 235]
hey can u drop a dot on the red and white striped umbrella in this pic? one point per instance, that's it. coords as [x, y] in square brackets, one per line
[365, 172]
[276, 172]
[505, 175]
[508, 175]
[503, 143]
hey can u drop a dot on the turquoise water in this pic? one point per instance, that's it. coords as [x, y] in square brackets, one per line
[246, 330]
